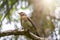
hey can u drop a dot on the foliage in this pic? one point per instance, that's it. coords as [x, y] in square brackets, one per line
[6, 9]
[38, 16]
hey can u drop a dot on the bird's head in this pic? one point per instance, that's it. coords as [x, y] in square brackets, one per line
[22, 14]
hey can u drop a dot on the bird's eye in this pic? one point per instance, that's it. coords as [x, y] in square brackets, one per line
[22, 14]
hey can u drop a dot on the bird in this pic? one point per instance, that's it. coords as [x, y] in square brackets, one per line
[27, 23]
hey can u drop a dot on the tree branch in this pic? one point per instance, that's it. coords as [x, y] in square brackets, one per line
[12, 32]
[37, 37]
[17, 32]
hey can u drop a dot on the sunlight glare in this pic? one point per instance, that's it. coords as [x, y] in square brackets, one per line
[47, 2]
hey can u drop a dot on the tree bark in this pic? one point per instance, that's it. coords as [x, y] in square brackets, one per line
[40, 13]
[16, 32]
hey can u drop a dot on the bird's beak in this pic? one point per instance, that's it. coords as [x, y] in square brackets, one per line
[19, 13]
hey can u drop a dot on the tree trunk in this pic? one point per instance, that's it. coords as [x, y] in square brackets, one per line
[40, 12]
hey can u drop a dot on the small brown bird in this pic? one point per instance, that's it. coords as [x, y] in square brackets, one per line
[27, 23]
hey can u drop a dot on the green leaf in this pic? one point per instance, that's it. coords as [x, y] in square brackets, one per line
[24, 8]
[59, 31]
[0, 17]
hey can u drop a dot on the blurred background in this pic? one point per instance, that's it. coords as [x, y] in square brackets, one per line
[10, 19]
